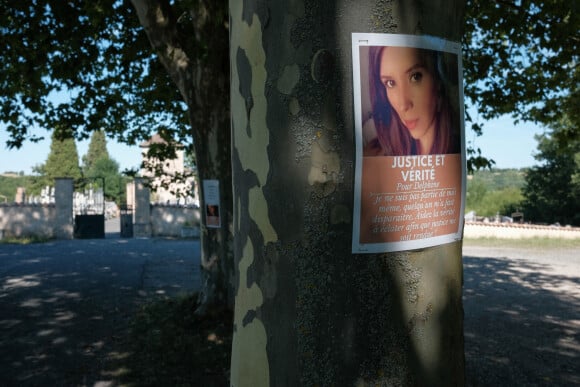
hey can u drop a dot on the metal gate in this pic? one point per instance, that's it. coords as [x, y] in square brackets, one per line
[126, 220]
[89, 208]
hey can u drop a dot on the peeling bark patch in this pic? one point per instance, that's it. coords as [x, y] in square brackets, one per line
[249, 317]
[294, 106]
[324, 169]
[259, 207]
[322, 66]
[252, 150]
[252, 7]
[249, 368]
[289, 78]
[249, 363]
[420, 319]
[243, 66]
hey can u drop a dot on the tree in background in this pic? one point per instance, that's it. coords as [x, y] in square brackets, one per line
[521, 58]
[63, 159]
[108, 170]
[98, 164]
[552, 189]
[97, 150]
[476, 191]
[133, 69]
[495, 191]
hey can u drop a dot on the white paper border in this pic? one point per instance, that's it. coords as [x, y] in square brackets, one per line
[211, 195]
[401, 40]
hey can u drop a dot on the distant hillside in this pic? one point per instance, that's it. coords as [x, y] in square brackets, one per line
[9, 182]
[499, 179]
[498, 191]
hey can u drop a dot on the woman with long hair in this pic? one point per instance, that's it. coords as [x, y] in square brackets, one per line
[411, 109]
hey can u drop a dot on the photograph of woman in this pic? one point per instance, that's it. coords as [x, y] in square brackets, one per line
[413, 97]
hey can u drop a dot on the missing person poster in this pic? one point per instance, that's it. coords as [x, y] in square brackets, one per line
[211, 194]
[410, 146]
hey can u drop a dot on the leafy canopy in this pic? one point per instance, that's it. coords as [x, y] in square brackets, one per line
[84, 63]
[552, 189]
[89, 65]
[521, 58]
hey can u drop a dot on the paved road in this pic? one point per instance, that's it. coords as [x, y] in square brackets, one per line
[59, 302]
[522, 316]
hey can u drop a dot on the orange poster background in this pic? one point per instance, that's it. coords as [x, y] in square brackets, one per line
[395, 210]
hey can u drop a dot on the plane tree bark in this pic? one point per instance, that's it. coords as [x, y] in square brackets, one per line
[307, 311]
[199, 65]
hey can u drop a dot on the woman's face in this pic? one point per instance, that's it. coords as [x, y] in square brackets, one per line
[411, 91]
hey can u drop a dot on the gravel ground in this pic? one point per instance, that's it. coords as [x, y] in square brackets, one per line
[522, 316]
[64, 305]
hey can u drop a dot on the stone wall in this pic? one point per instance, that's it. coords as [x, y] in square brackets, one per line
[28, 220]
[171, 221]
[518, 231]
[56, 220]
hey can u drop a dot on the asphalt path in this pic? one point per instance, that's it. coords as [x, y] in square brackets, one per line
[522, 316]
[65, 305]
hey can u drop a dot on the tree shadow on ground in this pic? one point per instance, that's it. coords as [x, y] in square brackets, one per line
[522, 324]
[66, 307]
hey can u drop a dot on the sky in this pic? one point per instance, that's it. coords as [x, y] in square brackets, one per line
[508, 145]
[31, 154]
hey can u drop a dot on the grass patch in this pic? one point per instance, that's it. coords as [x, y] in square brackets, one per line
[528, 243]
[171, 346]
[24, 240]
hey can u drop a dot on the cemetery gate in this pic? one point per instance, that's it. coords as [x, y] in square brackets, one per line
[89, 208]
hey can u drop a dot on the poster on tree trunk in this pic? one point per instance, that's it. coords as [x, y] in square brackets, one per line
[211, 194]
[410, 162]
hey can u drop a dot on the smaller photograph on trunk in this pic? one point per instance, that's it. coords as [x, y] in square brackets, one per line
[211, 192]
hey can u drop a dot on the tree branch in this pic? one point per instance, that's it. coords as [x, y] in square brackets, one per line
[159, 22]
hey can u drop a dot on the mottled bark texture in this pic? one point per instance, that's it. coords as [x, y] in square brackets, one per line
[307, 311]
[199, 66]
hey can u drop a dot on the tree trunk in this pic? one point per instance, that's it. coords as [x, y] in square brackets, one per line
[308, 311]
[202, 77]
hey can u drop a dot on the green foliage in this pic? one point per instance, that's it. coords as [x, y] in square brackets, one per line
[63, 159]
[39, 179]
[497, 179]
[88, 65]
[495, 191]
[98, 165]
[97, 150]
[9, 185]
[24, 240]
[108, 170]
[552, 192]
[521, 58]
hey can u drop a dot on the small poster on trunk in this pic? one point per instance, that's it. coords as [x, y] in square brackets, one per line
[410, 142]
[211, 192]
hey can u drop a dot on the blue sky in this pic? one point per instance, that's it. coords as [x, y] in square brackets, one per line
[510, 146]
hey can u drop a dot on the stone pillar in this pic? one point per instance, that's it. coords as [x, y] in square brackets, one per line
[130, 190]
[142, 210]
[20, 195]
[63, 197]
